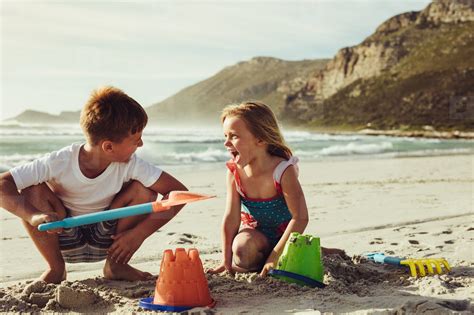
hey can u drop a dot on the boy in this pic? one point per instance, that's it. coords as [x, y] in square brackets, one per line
[103, 173]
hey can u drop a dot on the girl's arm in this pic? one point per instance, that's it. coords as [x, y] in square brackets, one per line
[294, 197]
[230, 224]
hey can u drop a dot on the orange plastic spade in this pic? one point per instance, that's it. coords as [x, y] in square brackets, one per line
[177, 197]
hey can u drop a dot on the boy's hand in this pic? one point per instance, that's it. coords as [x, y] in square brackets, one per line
[44, 217]
[125, 245]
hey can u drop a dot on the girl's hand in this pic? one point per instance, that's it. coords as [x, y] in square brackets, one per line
[222, 267]
[269, 264]
[266, 268]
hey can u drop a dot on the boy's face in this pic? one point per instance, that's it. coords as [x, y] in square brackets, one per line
[122, 151]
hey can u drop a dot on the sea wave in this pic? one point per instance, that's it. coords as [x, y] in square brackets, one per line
[183, 139]
[357, 148]
[210, 155]
[9, 161]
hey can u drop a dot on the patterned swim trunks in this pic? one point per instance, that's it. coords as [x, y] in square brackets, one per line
[88, 243]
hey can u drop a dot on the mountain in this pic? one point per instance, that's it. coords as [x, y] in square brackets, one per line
[33, 116]
[417, 69]
[261, 78]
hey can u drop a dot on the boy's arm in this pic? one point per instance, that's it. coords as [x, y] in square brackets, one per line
[164, 185]
[294, 197]
[13, 202]
[128, 241]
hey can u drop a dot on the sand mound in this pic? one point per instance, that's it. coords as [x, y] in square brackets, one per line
[90, 295]
[353, 284]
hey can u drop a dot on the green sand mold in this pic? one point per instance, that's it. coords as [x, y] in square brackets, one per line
[302, 256]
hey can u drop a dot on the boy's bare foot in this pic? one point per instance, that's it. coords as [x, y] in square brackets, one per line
[53, 276]
[114, 271]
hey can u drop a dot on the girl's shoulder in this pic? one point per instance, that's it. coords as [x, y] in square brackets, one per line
[283, 167]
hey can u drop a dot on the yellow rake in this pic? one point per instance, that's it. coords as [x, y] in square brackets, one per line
[418, 266]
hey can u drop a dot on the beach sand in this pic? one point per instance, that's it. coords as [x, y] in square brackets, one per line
[408, 207]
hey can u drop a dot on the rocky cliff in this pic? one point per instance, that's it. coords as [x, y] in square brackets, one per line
[404, 43]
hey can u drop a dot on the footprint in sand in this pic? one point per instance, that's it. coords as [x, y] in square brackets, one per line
[376, 240]
[185, 238]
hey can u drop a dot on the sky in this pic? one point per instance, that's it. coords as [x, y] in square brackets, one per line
[54, 53]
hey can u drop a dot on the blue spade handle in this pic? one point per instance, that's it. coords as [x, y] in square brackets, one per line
[95, 217]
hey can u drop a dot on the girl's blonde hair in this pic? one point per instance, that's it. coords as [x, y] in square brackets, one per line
[262, 124]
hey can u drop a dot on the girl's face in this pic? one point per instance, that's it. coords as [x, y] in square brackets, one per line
[239, 141]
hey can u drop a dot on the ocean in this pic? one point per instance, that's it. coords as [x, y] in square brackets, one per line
[201, 147]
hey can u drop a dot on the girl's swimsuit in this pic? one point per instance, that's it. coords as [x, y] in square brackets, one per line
[269, 216]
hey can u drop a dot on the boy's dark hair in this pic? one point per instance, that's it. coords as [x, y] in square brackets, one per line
[110, 114]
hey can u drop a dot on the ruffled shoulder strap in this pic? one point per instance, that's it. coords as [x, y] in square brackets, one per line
[233, 169]
[280, 169]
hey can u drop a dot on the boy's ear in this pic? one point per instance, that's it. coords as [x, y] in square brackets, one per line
[107, 146]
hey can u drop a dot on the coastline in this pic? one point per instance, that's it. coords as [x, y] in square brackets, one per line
[428, 132]
[455, 134]
[412, 207]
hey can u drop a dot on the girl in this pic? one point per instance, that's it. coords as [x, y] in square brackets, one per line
[263, 191]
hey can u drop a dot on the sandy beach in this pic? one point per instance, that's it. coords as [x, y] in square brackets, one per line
[408, 207]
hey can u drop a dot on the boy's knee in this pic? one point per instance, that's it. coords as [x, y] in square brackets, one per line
[38, 196]
[34, 192]
[44, 199]
[140, 193]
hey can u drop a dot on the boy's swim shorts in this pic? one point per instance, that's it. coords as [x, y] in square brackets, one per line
[87, 243]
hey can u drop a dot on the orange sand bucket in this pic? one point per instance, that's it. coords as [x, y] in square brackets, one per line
[181, 284]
